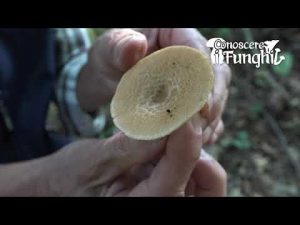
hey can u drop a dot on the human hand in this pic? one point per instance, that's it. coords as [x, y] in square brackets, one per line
[117, 50]
[210, 117]
[120, 166]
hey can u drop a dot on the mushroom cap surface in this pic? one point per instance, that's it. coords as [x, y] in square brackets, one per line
[161, 92]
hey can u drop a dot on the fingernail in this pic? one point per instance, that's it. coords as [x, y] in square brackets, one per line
[141, 50]
[120, 47]
[205, 156]
[203, 121]
[137, 40]
[131, 37]
[214, 138]
[197, 128]
[207, 133]
[138, 37]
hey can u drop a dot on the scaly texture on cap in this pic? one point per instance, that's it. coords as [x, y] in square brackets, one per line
[162, 92]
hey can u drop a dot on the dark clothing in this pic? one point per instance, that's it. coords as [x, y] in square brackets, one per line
[27, 79]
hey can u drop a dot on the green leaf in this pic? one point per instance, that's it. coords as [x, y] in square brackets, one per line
[241, 141]
[242, 134]
[242, 144]
[107, 132]
[285, 67]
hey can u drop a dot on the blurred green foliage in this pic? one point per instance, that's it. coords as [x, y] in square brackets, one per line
[95, 32]
[99, 31]
[108, 132]
[261, 79]
[224, 33]
[240, 141]
[255, 110]
[285, 67]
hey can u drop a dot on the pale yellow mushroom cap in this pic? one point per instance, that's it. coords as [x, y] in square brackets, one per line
[161, 92]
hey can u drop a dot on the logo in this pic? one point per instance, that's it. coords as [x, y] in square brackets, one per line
[228, 52]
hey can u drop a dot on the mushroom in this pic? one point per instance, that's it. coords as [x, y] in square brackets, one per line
[161, 92]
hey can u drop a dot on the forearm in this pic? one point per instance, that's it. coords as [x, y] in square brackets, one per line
[24, 178]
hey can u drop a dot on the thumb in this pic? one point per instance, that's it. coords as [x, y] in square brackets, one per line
[122, 152]
[119, 49]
